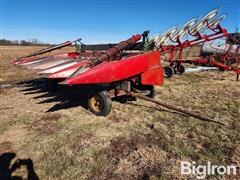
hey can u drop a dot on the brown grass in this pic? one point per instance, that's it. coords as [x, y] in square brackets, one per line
[138, 140]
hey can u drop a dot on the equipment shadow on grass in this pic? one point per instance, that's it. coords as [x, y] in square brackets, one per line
[72, 96]
[7, 168]
[65, 96]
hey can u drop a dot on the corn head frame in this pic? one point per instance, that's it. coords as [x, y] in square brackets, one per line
[129, 66]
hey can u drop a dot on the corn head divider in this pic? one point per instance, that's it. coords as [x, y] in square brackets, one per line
[130, 67]
[49, 49]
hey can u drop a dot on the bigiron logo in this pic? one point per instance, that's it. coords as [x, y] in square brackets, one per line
[201, 171]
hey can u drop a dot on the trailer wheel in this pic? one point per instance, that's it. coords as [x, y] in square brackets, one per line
[180, 69]
[152, 91]
[168, 71]
[221, 69]
[100, 103]
[147, 90]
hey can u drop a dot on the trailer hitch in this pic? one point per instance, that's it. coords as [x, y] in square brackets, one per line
[137, 94]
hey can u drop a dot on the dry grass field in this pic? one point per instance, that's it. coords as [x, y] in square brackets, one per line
[138, 140]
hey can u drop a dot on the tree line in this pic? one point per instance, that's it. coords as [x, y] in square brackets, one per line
[29, 42]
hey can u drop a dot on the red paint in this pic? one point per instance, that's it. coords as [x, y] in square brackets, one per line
[108, 72]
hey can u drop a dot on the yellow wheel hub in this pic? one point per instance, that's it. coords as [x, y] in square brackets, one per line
[96, 103]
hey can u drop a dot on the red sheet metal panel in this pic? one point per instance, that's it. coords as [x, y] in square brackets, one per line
[154, 59]
[153, 77]
[108, 72]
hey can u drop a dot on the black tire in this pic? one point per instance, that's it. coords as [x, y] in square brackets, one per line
[51, 85]
[180, 69]
[221, 69]
[147, 90]
[100, 103]
[168, 71]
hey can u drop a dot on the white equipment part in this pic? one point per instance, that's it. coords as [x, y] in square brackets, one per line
[216, 21]
[204, 21]
[210, 48]
[185, 29]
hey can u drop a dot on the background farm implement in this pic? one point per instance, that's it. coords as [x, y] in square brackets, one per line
[194, 33]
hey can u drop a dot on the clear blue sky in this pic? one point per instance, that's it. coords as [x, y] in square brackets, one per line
[103, 21]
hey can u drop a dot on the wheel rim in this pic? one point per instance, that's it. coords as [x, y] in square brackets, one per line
[168, 71]
[96, 103]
